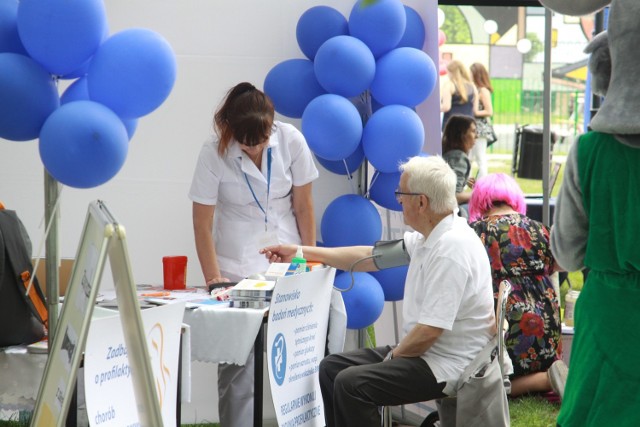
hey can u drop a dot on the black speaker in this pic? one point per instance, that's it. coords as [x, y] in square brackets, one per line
[527, 152]
[530, 155]
[534, 208]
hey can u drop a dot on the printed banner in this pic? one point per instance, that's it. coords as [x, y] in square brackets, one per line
[296, 339]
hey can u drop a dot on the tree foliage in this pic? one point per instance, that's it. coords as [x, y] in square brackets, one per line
[536, 47]
[455, 26]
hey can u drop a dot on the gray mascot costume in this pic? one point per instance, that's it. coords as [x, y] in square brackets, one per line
[596, 225]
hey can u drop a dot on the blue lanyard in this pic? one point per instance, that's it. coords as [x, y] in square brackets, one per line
[246, 178]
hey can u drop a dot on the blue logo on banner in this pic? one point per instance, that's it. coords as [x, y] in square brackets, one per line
[279, 358]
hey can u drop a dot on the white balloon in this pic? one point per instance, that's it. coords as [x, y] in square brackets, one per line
[523, 46]
[491, 26]
[440, 17]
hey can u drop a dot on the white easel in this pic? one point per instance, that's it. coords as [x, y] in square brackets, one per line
[102, 237]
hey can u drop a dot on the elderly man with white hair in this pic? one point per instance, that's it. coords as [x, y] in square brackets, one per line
[448, 315]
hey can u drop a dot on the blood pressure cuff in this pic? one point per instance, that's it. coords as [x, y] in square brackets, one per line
[390, 253]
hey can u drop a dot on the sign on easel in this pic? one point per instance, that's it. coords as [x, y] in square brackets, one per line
[108, 389]
[102, 238]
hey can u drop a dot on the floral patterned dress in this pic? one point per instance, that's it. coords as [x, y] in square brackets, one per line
[519, 251]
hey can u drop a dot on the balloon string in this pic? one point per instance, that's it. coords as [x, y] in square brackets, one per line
[44, 238]
[376, 174]
[349, 176]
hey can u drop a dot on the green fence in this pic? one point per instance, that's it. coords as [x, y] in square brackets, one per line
[518, 102]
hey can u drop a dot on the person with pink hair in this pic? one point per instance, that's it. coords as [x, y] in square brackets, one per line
[519, 251]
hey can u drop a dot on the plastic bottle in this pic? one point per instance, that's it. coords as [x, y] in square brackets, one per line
[301, 263]
[569, 307]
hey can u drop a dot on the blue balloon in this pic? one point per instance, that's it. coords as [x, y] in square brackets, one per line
[80, 72]
[332, 127]
[9, 39]
[291, 85]
[317, 25]
[130, 125]
[382, 190]
[28, 95]
[379, 25]
[84, 68]
[83, 144]
[392, 281]
[344, 66]
[79, 91]
[375, 105]
[61, 34]
[392, 135]
[345, 166]
[133, 72]
[414, 34]
[350, 220]
[364, 302]
[404, 76]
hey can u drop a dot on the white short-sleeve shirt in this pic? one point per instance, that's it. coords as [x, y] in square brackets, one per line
[234, 185]
[449, 286]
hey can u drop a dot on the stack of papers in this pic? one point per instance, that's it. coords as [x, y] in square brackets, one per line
[251, 293]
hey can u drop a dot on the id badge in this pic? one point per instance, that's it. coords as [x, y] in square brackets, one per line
[266, 238]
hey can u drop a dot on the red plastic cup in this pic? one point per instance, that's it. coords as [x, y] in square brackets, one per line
[174, 269]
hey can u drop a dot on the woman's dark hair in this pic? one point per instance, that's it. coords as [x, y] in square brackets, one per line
[454, 130]
[480, 76]
[246, 115]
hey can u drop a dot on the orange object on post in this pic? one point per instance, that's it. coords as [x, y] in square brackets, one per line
[174, 269]
[37, 302]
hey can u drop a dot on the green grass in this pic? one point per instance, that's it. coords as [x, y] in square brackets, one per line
[533, 412]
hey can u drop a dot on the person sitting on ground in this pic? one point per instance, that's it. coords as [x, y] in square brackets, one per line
[519, 251]
[448, 315]
[457, 141]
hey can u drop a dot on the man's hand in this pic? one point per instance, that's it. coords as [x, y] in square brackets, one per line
[279, 253]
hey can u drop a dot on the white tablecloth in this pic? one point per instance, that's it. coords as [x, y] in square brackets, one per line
[220, 334]
[20, 375]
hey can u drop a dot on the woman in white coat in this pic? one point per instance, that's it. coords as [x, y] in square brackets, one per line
[251, 188]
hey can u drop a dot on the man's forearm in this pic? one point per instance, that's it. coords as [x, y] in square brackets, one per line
[417, 341]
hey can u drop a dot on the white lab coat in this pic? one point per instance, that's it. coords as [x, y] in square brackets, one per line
[238, 224]
[239, 221]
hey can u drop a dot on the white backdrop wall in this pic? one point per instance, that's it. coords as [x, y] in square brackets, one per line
[217, 43]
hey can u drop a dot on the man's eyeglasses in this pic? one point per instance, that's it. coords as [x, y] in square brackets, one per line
[399, 195]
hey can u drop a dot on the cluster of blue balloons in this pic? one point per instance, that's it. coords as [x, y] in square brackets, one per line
[83, 135]
[376, 52]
